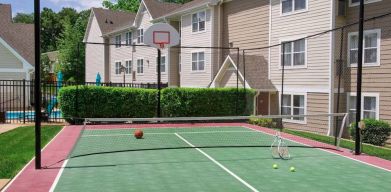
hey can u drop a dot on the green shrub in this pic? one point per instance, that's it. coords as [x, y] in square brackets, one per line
[263, 122]
[107, 102]
[376, 132]
[186, 102]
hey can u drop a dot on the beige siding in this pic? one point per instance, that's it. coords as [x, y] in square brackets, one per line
[148, 54]
[8, 59]
[290, 27]
[12, 76]
[229, 79]
[190, 78]
[94, 58]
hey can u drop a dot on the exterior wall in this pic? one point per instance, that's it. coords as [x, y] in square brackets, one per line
[315, 75]
[8, 60]
[94, 59]
[125, 53]
[229, 79]
[12, 75]
[190, 78]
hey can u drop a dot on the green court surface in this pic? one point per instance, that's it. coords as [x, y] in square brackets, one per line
[207, 169]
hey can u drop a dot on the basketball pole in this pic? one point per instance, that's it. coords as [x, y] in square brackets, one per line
[359, 76]
[37, 83]
[159, 60]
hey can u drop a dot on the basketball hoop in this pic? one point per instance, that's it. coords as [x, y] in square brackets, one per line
[161, 35]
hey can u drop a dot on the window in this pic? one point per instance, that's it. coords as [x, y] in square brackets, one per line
[198, 21]
[117, 41]
[291, 6]
[371, 55]
[128, 38]
[128, 67]
[293, 105]
[162, 64]
[140, 66]
[294, 53]
[353, 3]
[140, 36]
[118, 68]
[198, 61]
[369, 106]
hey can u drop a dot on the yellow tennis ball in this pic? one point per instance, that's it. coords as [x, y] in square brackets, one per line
[292, 169]
[275, 166]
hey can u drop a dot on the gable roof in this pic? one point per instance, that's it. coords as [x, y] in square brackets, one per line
[17, 35]
[189, 6]
[256, 73]
[157, 8]
[109, 20]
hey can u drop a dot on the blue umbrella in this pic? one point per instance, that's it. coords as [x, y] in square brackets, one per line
[98, 79]
[59, 80]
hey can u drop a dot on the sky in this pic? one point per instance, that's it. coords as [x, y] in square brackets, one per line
[27, 6]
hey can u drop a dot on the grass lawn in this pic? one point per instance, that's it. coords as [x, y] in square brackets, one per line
[381, 152]
[17, 148]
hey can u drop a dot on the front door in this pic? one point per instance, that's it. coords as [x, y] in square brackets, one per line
[263, 104]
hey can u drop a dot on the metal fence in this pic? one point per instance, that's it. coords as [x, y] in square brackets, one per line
[17, 99]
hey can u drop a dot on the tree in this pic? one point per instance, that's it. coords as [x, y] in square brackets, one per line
[51, 29]
[27, 18]
[72, 51]
[68, 13]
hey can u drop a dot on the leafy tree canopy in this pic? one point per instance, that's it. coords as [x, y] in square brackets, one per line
[24, 18]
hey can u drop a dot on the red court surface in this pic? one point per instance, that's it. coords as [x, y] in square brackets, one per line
[58, 149]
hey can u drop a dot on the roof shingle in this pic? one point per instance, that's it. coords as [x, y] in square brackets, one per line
[109, 20]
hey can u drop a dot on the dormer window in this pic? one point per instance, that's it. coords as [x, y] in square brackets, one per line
[198, 21]
[117, 41]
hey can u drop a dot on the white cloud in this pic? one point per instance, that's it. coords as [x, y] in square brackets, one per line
[78, 4]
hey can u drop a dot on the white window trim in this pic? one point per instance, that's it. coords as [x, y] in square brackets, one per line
[118, 45]
[378, 31]
[115, 67]
[131, 67]
[137, 66]
[165, 66]
[293, 12]
[365, 94]
[305, 107]
[191, 61]
[365, 2]
[137, 34]
[129, 40]
[293, 66]
[191, 18]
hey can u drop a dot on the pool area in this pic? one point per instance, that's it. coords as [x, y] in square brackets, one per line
[14, 115]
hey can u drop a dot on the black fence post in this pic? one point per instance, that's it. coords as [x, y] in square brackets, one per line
[24, 101]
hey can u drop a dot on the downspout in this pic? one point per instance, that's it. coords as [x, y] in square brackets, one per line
[256, 103]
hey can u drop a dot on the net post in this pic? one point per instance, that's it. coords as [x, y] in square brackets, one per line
[37, 81]
[159, 54]
[359, 75]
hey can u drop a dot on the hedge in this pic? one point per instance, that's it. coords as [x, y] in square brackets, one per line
[376, 132]
[186, 102]
[109, 102]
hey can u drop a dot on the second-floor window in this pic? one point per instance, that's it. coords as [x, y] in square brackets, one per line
[291, 6]
[371, 52]
[118, 68]
[198, 21]
[140, 36]
[198, 61]
[162, 64]
[128, 67]
[117, 41]
[128, 38]
[294, 54]
[293, 104]
[140, 66]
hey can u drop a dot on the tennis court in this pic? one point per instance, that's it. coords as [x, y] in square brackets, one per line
[206, 157]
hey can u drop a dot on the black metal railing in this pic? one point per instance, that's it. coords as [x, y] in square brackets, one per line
[17, 99]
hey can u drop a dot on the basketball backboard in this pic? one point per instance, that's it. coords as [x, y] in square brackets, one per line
[161, 35]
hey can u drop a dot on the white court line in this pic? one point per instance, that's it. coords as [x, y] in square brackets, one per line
[219, 164]
[162, 133]
[21, 171]
[181, 127]
[58, 176]
[324, 150]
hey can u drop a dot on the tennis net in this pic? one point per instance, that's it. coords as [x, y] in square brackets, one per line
[111, 135]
